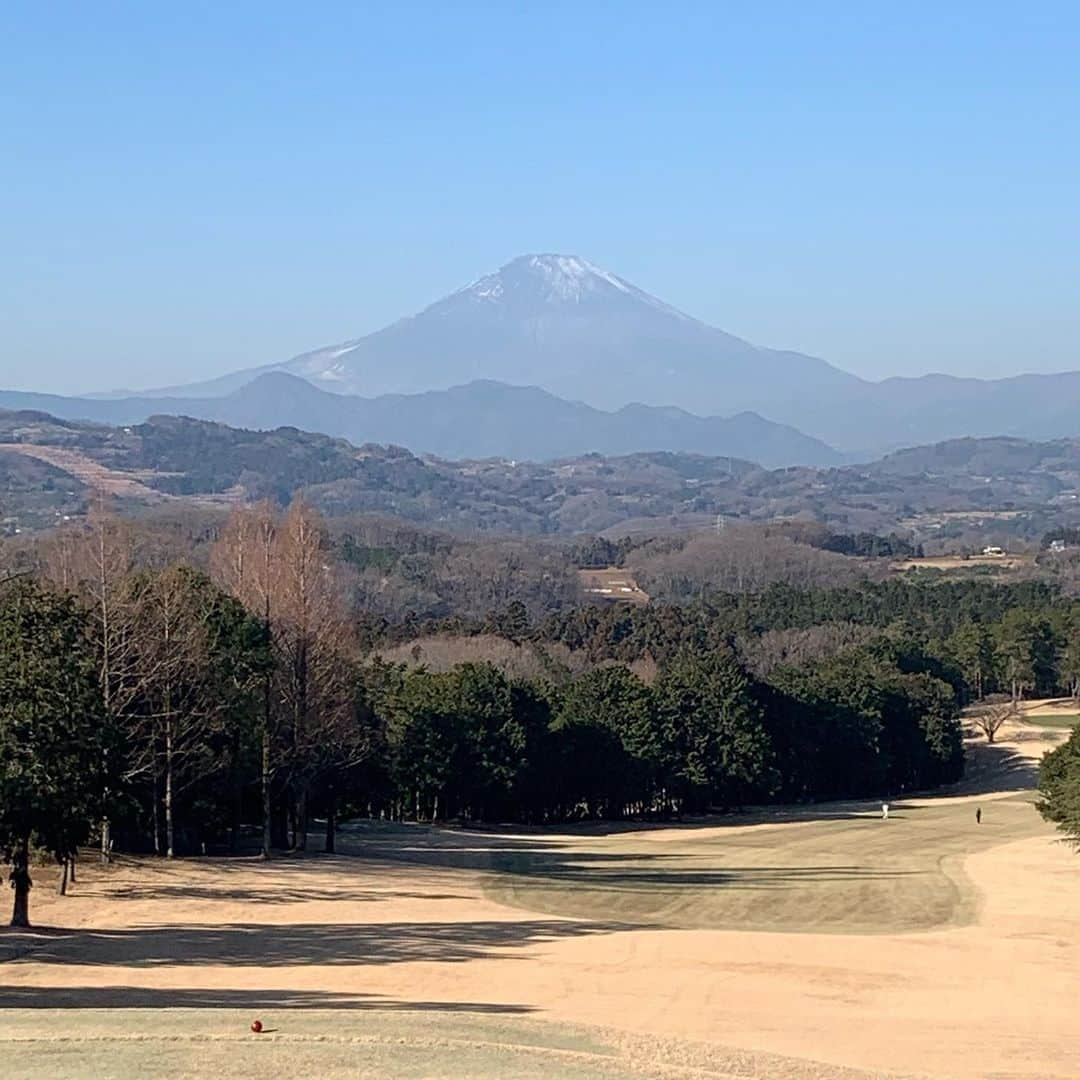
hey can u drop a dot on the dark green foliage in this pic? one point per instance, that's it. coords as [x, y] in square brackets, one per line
[868, 721]
[1068, 535]
[870, 545]
[466, 743]
[598, 552]
[611, 742]
[511, 622]
[364, 557]
[976, 636]
[715, 747]
[52, 731]
[1059, 786]
[864, 716]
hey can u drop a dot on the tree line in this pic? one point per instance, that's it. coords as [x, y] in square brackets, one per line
[148, 705]
[982, 638]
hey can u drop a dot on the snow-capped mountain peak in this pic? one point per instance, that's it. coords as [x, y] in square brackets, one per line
[579, 331]
[554, 279]
[569, 277]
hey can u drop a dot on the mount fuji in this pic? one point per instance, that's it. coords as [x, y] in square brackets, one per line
[567, 326]
[598, 344]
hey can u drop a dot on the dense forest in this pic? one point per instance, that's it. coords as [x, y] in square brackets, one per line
[173, 686]
[161, 704]
[949, 497]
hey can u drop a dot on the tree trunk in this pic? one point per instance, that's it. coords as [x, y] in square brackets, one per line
[169, 852]
[267, 837]
[234, 770]
[62, 881]
[331, 824]
[154, 807]
[20, 882]
[302, 818]
[280, 815]
[106, 690]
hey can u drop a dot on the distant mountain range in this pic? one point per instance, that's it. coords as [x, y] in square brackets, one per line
[1002, 488]
[552, 356]
[480, 420]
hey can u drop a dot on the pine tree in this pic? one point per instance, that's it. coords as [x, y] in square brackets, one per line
[51, 733]
[1059, 786]
[715, 740]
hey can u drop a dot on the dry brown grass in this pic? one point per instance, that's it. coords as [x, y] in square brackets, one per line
[964, 562]
[612, 584]
[924, 945]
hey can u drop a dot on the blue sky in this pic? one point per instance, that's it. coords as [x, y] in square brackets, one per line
[191, 189]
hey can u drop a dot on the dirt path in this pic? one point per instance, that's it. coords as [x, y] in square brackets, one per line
[92, 473]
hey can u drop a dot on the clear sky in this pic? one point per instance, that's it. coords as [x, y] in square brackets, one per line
[188, 189]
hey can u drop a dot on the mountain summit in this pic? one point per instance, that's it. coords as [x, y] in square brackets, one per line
[532, 280]
[564, 324]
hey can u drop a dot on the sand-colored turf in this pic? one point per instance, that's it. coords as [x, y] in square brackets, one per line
[1063, 713]
[812, 943]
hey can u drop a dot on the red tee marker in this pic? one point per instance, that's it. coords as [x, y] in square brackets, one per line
[256, 1026]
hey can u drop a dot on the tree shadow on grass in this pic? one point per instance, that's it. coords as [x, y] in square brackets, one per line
[138, 997]
[180, 890]
[543, 862]
[992, 767]
[319, 944]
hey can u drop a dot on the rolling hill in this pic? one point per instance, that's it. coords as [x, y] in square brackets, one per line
[929, 492]
[478, 420]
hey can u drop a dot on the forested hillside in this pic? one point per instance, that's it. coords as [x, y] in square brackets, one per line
[245, 671]
[944, 497]
[254, 690]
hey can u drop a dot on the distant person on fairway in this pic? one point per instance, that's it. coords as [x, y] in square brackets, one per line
[978, 815]
[884, 811]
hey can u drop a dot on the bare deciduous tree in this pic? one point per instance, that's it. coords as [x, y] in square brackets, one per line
[311, 636]
[990, 718]
[279, 568]
[244, 561]
[95, 559]
[173, 645]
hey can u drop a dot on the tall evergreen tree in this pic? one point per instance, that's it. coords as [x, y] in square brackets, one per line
[1059, 787]
[716, 747]
[52, 727]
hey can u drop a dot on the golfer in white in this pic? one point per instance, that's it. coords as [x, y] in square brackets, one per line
[884, 811]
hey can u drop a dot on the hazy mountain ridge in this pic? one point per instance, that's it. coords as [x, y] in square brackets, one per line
[560, 323]
[481, 419]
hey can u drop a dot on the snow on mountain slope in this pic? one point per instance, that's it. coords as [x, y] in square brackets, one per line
[562, 323]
